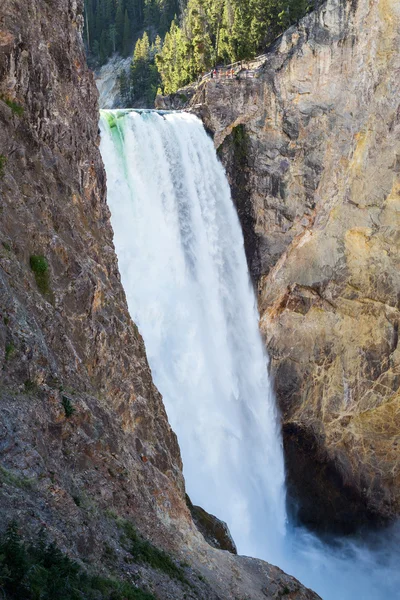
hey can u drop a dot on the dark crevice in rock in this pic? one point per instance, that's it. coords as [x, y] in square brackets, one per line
[234, 152]
[318, 494]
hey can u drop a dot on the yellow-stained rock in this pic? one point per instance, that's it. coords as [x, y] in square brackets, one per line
[315, 174]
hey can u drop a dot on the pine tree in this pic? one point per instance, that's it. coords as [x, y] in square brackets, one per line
[210, 32]
[157, 46]
[15, 562]
[112, 32]
[197, 31]
[109, 12]
[119, 25]
[151, 13]
[144, 76]
[126, 39]
[173, 62]
[124, 88]
[104, 47]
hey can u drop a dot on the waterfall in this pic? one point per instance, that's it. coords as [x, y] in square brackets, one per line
[183, 267]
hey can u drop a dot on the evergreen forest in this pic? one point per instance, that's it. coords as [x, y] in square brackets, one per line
[172, 42]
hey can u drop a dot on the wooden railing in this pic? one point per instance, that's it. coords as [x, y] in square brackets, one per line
[243, 69]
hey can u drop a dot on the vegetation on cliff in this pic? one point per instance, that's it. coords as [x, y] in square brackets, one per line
[141, 84]
[197, 35]
[221, 31]
[40, 570]
[114, 25]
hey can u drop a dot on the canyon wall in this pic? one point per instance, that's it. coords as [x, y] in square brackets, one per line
[86, 450]
[311, 147]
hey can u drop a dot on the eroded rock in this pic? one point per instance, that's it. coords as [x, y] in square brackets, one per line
[214, 531]
[85, 443]
[318, 194]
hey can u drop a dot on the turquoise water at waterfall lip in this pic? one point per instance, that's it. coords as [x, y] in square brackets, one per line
[183, 267]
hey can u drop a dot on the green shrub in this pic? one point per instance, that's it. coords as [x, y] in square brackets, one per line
[30, 386]
[9, 478]
[6, 246]
[40, 268]
[39, 264]
[10, 350]
[40, 571]
[68, 408]
[143, 551]
[3, 162]
[15, 107]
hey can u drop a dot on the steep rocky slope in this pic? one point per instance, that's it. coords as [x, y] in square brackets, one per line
[107, 81]
[86, 450]
[312, 151]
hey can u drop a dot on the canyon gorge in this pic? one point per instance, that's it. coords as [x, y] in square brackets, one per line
[87, 452]
[311, 151]
[311, 148]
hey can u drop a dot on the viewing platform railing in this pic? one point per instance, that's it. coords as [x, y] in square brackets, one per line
[243, 69]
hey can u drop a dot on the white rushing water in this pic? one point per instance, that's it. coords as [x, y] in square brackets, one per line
[183, 267]
[180, 252]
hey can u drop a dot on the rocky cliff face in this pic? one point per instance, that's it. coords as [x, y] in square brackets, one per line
[86, 450]
[312, 151]
[107, 81]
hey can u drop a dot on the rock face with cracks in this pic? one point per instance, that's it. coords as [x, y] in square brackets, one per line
[85, 445]
[312, 150]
